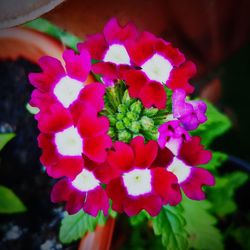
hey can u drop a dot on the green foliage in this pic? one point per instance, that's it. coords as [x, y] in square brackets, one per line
[139, 218]
[200, 225]
[216, 125]
[217, 161]
[45, 26]
[73, 227]
[5, 138]
[241, 235]
[222, 194]
[170, 224]
[9, 202]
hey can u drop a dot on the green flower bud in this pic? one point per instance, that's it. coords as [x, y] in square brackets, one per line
[111, 132]
[126, 98]
[136, 107]
[132, 116]
[119, 116]
[112, 120]
[126, 122]
[150, 112]
[124, 136]
[119, 125]
[147, 123]
[135, 127]
[122, 108]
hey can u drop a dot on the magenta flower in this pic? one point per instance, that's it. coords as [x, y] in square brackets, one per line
[57, 86]
[190, 113]
[110, 49]
[140, 186]
[83, 192]
[157, 63]
[184, 166]
[171, 136]
[62, 149]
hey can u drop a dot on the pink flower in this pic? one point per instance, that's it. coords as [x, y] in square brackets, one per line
[158, 63]
[64, 147]
[139, 186]
[82, 192]
[55, 85]
[171, 135]
[190, 113]
[184, 166]
[110, 49]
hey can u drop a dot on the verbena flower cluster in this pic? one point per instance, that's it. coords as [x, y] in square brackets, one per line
[122, 140]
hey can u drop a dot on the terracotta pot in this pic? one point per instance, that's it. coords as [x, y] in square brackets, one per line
[29, 44]
[100, 239]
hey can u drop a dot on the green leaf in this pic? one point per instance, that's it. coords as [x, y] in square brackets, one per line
[216, 125]
[200, 225]
[170, 224]
[45, 26]
[241, 235]
[139, 218]
[222, 194]
[73, 227]
[5, 138]
[9, 202]
[217, 160]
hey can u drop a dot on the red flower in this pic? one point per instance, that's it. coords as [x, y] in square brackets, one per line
[110, 49]
[184, 165]
[63, 148]
[55, 85]
[83, 192]
[158, 63]
[139, 186]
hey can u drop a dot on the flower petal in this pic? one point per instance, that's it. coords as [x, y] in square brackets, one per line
[77, 66]
[54, 119]
[93, 93]
[192, 187]
[96, 200]
[179, 77]
[135, 79]
[95, 147]
[150, 203]
[116, 158]
[166, 185]
[153, 94]
[89, 124]
[145, 153]
[113, 32]
[52, 72]
[61, 191]
[117, 193]
[193, 153]
[75, 202]
[96, 45]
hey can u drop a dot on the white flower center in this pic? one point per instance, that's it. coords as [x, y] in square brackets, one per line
[157, 68]
[174, 145]
[138, 181]
[85, 181]
[67, 90]
[69, 142]
[179, 169]
[117, 54]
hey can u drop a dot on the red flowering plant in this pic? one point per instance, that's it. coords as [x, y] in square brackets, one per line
[129, 141]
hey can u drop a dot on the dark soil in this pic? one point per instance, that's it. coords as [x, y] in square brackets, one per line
[20, 169]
